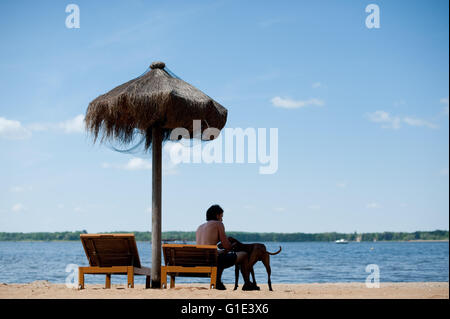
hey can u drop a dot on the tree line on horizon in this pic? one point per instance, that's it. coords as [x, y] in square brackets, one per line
[242, 236]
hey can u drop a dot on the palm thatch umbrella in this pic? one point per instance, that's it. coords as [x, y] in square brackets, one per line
[152, 104]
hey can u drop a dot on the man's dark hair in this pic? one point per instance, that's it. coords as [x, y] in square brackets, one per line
[213, 211]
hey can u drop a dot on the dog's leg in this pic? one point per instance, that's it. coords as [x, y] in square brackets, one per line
[266, 262]
[253, 259]
[236, 276]
[253, 276]
[248, 265]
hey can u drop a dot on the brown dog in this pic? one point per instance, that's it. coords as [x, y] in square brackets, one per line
[256, 252]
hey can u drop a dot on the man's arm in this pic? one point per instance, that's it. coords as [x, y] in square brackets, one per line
[223, 237]
[197, 237]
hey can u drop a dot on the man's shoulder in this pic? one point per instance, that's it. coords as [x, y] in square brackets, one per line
[210, 223]
[215, 222]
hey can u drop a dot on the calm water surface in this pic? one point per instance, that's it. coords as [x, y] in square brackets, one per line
[318, 262]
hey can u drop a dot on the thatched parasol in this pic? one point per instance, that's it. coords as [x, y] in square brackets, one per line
[152, 104]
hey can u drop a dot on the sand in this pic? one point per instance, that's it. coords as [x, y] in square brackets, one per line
[46, 290]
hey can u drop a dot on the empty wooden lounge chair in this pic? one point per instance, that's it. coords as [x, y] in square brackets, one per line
[112, 254]
[189, 261]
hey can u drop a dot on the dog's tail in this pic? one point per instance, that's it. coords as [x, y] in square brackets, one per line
[275, 253]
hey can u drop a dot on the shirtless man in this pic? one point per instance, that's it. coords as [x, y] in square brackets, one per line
[212, 232]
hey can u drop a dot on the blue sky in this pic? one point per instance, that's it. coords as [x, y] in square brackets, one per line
[362, 114]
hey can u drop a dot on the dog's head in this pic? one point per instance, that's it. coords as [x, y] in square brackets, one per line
[233, 241]
[235, 244]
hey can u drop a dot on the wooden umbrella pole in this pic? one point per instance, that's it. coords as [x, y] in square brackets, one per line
[156, 206]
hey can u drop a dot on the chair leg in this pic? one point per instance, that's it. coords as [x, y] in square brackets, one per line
[172, 281]
[147, 282]
[108, 281]
[80, 278]
[130, 277]
[163, 277]
[212, 284]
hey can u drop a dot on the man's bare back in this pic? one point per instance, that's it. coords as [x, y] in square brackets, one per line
[210, 233]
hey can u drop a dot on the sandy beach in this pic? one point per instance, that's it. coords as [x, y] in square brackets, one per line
[46, 290]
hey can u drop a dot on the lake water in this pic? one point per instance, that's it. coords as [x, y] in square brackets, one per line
[311, 262]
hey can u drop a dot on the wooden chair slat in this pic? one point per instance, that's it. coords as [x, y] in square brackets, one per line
[112, 254]
[109, 250]
[189, 261]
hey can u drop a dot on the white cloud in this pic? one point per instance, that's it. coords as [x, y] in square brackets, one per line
[394, 122]
[316, 85]
[109, 165]
[133, 164]
[293, 104]
[314, 207]
[20, 189]
[279, 209]
[18, 208]
[137, 163]
[74, 125]
[373, 205]
[13, 130]
[419, 122]
[444, 172]
[39, 127]
[342, 184]
[385, 119]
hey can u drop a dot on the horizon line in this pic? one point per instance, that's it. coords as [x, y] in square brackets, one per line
[228, 231]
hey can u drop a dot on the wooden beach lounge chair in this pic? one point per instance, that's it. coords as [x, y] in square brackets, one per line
[112, 254]
[189, 261]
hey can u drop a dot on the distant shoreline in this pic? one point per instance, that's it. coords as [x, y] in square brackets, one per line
[189, 236]
[190, 241]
